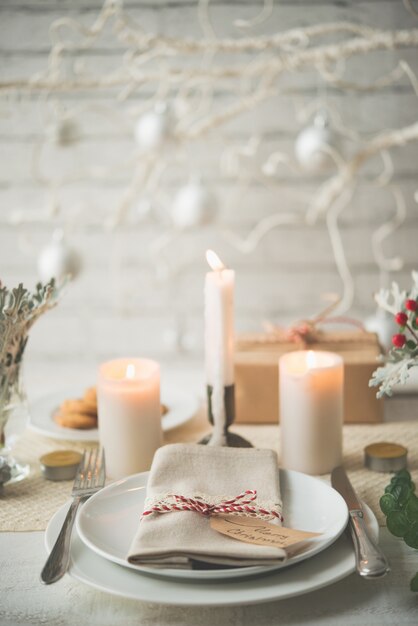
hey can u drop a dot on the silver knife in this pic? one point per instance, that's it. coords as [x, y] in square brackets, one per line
[370, 560]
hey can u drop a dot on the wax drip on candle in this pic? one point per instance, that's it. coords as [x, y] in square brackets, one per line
[130, 371]
[218, 408]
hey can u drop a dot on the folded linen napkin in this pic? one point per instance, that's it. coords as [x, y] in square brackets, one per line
[179, 538]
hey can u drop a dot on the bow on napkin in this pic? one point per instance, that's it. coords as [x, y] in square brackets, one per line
[240, 505]
[174, 529]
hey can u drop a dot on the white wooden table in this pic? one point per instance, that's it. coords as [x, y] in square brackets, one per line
[351, 601]
[24, 600]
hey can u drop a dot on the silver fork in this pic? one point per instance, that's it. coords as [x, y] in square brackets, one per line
[91, 476]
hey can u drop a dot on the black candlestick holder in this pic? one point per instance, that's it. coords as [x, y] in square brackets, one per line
[231, 440]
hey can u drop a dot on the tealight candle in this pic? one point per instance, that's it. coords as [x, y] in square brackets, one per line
[129, 414]
[311, 411]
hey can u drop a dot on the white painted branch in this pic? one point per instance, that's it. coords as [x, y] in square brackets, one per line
[333, 188]
[291, 61]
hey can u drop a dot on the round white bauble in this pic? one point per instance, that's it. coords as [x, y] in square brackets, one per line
[194, 205]
[63, 132]
[153, 129]
[58, 260]
[311, 145]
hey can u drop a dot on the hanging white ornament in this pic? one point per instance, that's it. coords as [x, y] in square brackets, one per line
[58, 260]
[193, 205]
[154, 128]
[63, 132]
[313, 144]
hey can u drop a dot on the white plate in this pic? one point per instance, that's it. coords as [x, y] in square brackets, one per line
[182, 407]
[109, 520]
[325, 568]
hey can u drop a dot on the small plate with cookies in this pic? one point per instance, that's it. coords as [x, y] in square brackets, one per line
[71, 414]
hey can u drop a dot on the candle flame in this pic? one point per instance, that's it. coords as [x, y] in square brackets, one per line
[311, 360]
[214, 261]
[130, 371]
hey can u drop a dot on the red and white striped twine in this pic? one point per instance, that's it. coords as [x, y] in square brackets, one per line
[241, 504]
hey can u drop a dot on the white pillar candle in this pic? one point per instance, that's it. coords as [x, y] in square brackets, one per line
[311, 411]
[129, 414]
[219, 340]
[219, 322]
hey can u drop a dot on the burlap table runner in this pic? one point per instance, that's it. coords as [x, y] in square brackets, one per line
[29, 505]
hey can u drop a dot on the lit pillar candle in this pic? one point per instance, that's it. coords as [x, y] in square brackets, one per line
[219, 322]
[219, 336]
[129, 412]
[311, 411]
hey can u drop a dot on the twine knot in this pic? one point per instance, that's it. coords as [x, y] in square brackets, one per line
[307, 332]
[242, 504]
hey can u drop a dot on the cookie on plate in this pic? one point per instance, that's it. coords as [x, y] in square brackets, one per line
[82, 421]
[78, 406]
[90, 397]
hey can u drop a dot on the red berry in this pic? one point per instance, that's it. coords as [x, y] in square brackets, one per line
[401, 318]
[411, 305]
[399, 340]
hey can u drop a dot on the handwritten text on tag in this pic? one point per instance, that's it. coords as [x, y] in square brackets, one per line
[250, 530]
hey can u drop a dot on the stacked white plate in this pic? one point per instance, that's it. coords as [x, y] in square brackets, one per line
[108, 521]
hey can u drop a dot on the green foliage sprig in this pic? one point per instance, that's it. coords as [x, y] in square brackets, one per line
[400, 505]
[19, 309]
[403, 355]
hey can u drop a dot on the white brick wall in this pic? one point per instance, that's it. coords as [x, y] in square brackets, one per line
[285, 276]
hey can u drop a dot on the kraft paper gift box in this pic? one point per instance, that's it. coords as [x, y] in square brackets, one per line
[257, 374]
